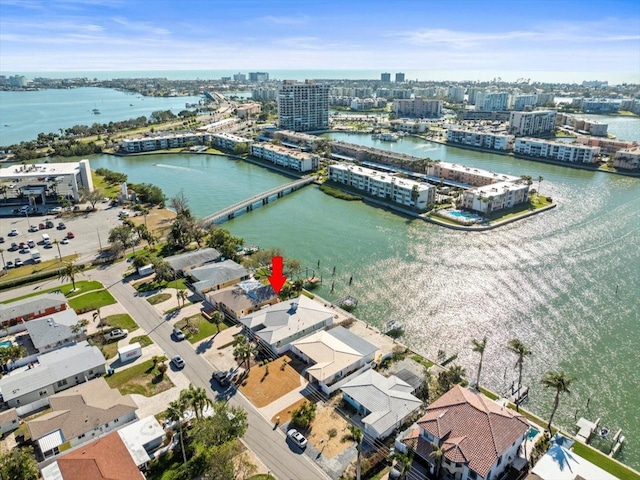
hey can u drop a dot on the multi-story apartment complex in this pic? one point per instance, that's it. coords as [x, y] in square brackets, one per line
[286, 157]
[492, 101]
[520, 102]
[247, 110]
[178, 140]
[385, 77]
[303, 106]
[264, 93]
[558, 151]
[528, 124]
[493, 141]
[258, 77]
[603, 105]
[417, 107]
[239, 77]
[228, 141]
[628, 158]
[409, 193]
[399, 77]
[544, 98]
[607, 146]
[472, 94]
[582, 125]
[496, 196]
[456, 93]
[410, 126]
[469, 175]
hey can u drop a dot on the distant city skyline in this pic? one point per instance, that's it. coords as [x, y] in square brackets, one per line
[561, 41]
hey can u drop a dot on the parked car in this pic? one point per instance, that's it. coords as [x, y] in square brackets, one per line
[14, 247]
[116, 334]
[31, 243]
[178, 334]
[42, 226]
[33, 228]
[9, 265]
[14, 232]
[220, 376]
[18, 262]
[61, 226]
[70, 235]
[49, 223]
[55, 210]
[296, 437]
[25, 249]
[177, 361]
[64, 241]
[1, 239]
[22, 245]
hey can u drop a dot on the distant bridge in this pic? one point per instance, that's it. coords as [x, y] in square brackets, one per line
[261, 199]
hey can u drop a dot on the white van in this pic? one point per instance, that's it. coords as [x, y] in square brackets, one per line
[45, 239]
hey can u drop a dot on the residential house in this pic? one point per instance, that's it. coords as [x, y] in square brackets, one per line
[142, 438]
[54, 372]
[480, 438]
[335, 355]
[106, 458]
[21, 311]
[184, 262]
[9, 421]
[80, 414]
[277, 326]
[383, 402]
[242, 299]
[55, 331]
[215, 276]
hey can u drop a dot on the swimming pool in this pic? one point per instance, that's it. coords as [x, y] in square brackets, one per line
[460, 214]
[6, 344]
[532, 433]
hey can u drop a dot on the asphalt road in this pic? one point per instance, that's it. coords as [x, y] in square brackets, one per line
[268, 444]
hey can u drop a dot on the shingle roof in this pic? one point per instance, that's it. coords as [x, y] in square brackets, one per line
[185, 261]
[52, 367]
[82, 408]
[104, 459]
[388, 399]
[285, 319]
[237, 299]
[52, 329]
[217, 273]
[29, 305]
[474, 429]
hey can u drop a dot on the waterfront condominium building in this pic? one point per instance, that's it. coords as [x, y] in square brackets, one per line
[492, 101]
[558, 151]
[304, 106]
[409, 193]
[628, 158]
[527, 124]
[417, 107]
[496, 196]
[399, 77]
[493, 141]
[286, 157]
[456, 93]
[160, 142]
[258, 77]
[520, 102]
[385, 77]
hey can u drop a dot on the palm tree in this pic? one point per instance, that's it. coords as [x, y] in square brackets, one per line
[197, 399]
[403, 462]
[520, 349]
[218, 318]
[79, 326]
[479, 347]
[561, 382]
[175, 413]
[69, 272]
[4, 265]
[56, 242]
[355, 435]
[539, 182]
[437, 453]
[181, 295]
[243, 350]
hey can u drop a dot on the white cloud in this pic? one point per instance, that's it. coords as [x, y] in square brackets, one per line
[285, 20]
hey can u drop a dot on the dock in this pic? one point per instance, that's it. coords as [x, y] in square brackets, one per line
[261, 199]
[586, 429]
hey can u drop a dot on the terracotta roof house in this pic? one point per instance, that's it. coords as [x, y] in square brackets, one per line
[106, 458]
[242, 299]
[20, 311]
[79, 415]
[279, 325]
[334, 356]
[384, 402]
[480, 438]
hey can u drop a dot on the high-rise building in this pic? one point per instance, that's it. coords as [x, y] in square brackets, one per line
[456, 93]
[258, 77]
[385, 77]
[303, 106]
[239, 77]
[399, 77]
[492, 101]
[531, 124]
[417, 107]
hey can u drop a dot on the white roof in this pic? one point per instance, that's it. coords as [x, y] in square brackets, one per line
[562, 464]
[136, 435]
[39, 170]
[51, 472]
[51, 441]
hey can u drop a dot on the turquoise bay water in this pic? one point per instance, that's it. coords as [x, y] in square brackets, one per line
[25, 114]
[564, 282]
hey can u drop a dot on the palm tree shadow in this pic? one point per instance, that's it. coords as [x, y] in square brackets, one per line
[206, 345]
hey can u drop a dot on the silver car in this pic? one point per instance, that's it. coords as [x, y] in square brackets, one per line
[296, 437]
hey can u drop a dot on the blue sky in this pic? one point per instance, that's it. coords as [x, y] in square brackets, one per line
[599, 39]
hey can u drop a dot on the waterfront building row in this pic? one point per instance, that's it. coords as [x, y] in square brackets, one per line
[229, 141]
[388, 186]
[527, 124]
[286, 157]
[582, 125]
[417, 107]
[607, 146]
[496, 196]
[492, 141]
[558, 151]
[159, 142]
[628, 158]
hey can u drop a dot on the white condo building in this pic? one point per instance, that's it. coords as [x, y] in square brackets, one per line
[286, 157]
[492, 101]
[228, 141]
[384, 185]
[304, 106]
[160, 142]
[496, 196]
[627, 158]
[417, 107]
[477, 139]
[558, 151]
[525, 124]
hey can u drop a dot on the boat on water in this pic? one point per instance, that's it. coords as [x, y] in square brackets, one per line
[96, 111]
[392, 326]
[389, 137]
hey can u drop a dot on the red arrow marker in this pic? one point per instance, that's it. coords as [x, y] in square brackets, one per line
[276, 279]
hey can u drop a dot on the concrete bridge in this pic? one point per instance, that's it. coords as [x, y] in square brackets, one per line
[253, 202]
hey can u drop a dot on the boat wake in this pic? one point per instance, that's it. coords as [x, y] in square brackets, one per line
[176, 167]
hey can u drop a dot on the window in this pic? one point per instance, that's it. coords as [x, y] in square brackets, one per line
[472, 475]
[499, 460]
[62, 383]
[43, 392]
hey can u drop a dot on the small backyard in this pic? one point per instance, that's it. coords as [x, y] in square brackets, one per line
[144, 379]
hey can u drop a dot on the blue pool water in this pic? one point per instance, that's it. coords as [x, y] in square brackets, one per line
[5, 344]
[465, 215]
[532, 433]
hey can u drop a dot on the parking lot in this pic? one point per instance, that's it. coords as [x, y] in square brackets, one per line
[90, 231]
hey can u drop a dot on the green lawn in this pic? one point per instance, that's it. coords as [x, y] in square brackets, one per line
[143, 340]
[148, 286]
[82, 286]
[91, 301]
[109, 350]
[121, 320]
[141, 379]
[159, 298]
[26, 270]
[205, 327]
[604, 462]
[422, 361]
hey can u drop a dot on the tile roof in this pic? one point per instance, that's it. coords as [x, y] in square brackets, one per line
[81, 408]
[29, 305]
[388, 399]
[104, 459]
[474, 429]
